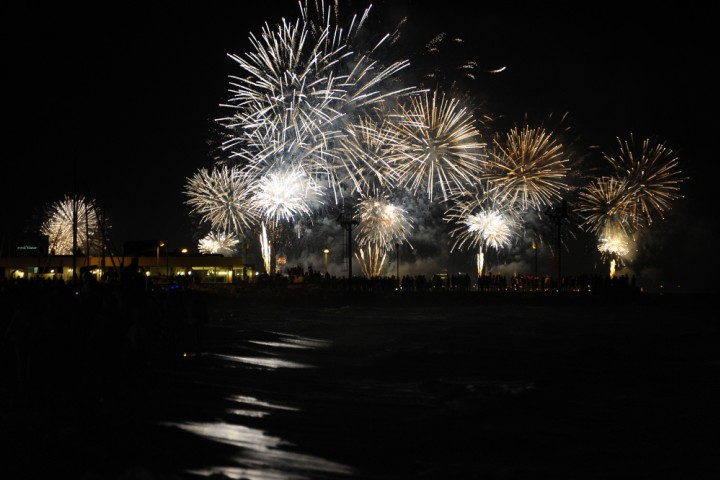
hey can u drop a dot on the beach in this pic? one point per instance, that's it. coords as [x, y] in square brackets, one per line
[308, 383]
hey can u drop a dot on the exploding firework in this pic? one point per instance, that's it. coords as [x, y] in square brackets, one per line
[530, 167]
[219, 242]
[285, 194]
[483, 222]
[68, 215]
[650, 172]
[366, 148]
[614, 242]
[605, 204]
[303, 84]
[221, 197]
[382, 223]
[437, 145]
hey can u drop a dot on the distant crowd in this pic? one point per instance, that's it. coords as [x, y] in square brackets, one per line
[92, 337]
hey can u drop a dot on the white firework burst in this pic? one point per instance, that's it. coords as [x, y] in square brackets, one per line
[285, 194]
[382, 223]
[438, 148]
[219, 242]
[58, 226]
[221, 197]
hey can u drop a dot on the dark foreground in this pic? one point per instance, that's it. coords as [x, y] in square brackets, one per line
[295, 384]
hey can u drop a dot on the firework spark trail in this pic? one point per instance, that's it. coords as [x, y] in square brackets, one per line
[222, 198]
[58, 225]
[366, 147]
[650, 172]
[371, 259]
[530, 165]
[219, 242]
[265, 249]
[439, 147]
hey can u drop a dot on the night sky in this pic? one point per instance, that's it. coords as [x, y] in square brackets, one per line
[120, 104]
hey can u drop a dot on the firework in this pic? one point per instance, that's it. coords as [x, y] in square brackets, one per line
[219, 242]
[285, 194]
[650, 172]
[367, 146]
[614, 242]
[530, 166]
[265, 249]
[58, 226]
[304, 84]
[483, 222]
[371, 259]
[381, 223]
[605, 204]
[222, 198]
[437, 145]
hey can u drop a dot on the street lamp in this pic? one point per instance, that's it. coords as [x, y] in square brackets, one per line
[326, 252]
[157, 264]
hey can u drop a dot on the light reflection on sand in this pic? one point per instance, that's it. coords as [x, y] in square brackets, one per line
[261, 456]
[259, 403]
[267, 362]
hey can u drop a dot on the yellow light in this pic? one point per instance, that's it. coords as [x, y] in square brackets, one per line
[184, 250]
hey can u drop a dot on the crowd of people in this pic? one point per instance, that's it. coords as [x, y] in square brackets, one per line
[93, 337]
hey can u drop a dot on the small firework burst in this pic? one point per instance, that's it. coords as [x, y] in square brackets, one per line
[219, 242]
[382, 223]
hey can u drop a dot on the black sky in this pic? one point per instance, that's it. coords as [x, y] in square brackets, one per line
[120, 102]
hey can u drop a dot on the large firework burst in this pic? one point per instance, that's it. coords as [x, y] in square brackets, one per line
[221, 197]
[438, 147]
[303, 83]
[59, 224]
[530, 167]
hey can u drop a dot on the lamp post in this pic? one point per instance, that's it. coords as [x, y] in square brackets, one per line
[397, 250]
[326, 252]
[557, 215]
[348, 222]
[161, 243]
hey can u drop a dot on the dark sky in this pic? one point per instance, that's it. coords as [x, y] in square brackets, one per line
[120, 103]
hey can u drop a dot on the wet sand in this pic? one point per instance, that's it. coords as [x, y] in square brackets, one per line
[305, 383]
